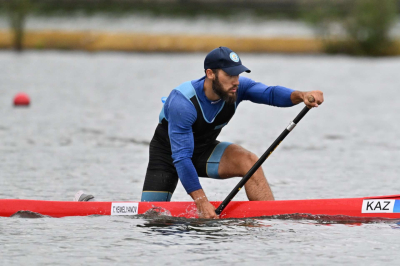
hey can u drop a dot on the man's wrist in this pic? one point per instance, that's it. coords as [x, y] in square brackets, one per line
[297, 97]
[201, 198]
[198, 196]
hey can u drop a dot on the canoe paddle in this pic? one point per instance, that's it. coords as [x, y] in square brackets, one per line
[264, 157]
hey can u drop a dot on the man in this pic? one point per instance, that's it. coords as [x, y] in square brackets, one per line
[184, 145]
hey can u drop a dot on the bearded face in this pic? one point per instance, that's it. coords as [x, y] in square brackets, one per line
[226, 95]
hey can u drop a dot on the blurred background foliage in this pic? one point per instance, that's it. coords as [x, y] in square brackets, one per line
[271, 8]
[17, 10]
[357, 27]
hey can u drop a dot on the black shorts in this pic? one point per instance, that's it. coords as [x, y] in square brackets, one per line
[161, 176]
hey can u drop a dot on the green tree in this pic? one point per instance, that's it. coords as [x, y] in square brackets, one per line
[365, 26]
[369, 23]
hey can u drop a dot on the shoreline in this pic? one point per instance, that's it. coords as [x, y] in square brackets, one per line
[95, 41]
[142, 42]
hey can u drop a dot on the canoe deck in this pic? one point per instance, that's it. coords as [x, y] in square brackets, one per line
[384, 207]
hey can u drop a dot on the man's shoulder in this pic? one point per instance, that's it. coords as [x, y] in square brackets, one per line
[179, 99]
[245, 82]
[243, 78]
[178, 105]
[186, 89]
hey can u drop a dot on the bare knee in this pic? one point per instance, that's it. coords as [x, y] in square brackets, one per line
[248, 161]
[236, 161]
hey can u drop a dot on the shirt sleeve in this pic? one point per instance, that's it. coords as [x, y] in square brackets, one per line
[181, 114]
[260, 93]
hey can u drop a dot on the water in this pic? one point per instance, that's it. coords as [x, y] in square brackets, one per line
[93, 115]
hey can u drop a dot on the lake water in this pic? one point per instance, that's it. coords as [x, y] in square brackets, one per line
[92, 116]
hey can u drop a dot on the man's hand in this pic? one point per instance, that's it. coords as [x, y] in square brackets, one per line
[307, 97]
[313, 98]
[205, 209]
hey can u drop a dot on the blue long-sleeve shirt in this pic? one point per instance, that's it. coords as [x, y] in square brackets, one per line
[181, 114]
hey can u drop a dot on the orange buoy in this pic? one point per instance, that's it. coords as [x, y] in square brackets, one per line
[21, 99]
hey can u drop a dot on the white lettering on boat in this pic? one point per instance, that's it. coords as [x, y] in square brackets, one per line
[124, 208]
[377, 206]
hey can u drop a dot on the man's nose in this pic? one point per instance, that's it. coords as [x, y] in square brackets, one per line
[236, 81]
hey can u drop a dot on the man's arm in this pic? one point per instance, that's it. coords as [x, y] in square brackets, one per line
[181, 115]
[257, 92]
[275, 95]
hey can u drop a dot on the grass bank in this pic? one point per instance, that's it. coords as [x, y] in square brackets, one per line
[142, 42]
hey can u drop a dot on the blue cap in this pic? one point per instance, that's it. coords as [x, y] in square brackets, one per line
[225, 59]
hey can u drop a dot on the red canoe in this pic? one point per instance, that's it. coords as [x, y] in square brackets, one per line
[381, 207]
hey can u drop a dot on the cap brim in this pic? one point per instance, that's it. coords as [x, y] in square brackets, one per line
[236, 70]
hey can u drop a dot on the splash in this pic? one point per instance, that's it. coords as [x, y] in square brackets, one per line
[157, 211]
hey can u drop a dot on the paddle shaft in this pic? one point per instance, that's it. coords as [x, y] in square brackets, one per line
[262, 160]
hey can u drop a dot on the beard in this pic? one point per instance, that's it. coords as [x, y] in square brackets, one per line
[224, 95]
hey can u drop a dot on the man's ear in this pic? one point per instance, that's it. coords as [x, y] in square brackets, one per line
[210, 74]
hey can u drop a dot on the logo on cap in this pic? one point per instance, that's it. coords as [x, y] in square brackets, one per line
[234, 57]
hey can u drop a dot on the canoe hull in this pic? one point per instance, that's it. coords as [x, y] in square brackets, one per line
[386, 207]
